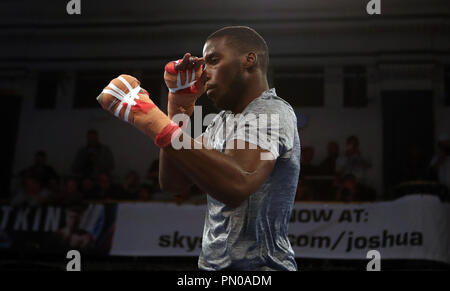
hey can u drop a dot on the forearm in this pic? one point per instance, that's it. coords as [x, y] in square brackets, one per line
[182, 96]
[215, 173]
[171, 178]
[174, 108]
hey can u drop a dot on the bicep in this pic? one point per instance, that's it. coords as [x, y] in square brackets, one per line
[252, 160]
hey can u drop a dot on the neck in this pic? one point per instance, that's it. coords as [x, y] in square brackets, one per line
[256, 86]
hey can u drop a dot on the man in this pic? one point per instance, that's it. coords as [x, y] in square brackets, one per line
[349, 189]
[71, 235]
[31, 193]
[308, 169]
[352, 161]
[328, 165]
[108, 189]
[152, 177]
[40, 170]
[250, 191]
[94, 158]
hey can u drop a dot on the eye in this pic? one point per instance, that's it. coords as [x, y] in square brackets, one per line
[213, 60]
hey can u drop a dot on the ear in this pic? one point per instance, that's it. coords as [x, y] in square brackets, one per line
[250, 61]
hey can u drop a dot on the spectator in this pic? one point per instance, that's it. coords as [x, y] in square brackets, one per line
[31, 193]
[93, 158]
[350, 190]
[347, 189]
[144, 193]
[70, 193]
[54, 187]
[131, 185]
[352, 162]
[40, 170]
[306, 166]
[328, 165]
[152, 181]
[304, 191]
[88, 188]
[440, 164]
[108, 189]
[72, 235]
[152, 177]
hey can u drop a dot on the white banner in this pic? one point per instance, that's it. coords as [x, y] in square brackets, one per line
[158, 229]
[413, 227]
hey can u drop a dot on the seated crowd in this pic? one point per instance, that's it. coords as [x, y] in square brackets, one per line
[343, 177]
[339, 177]
[91, 179]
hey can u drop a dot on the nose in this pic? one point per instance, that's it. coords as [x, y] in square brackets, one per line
[205, 75]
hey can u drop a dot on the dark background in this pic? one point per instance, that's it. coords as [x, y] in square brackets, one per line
[384, 78]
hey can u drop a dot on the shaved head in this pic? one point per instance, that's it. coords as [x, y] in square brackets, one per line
[245, 40]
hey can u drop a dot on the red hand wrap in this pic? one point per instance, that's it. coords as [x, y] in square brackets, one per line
[170, 68]
[164, 138]
[142, 106]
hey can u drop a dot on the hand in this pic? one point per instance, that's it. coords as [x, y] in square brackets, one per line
[118, 99]
[124, 98]
[186, 82]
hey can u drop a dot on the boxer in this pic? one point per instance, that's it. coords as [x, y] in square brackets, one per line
[249, 199]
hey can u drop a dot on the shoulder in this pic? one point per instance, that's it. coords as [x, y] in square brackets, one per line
[216, 120]
[270, 103]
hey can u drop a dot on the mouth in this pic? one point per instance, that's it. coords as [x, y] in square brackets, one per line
[209, 90]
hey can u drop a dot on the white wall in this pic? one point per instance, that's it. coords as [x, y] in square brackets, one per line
[62, 131]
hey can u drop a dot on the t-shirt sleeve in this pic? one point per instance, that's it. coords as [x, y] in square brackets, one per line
[270, 127]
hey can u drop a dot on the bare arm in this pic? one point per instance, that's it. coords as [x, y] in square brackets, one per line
[171, 177]
[230, 177]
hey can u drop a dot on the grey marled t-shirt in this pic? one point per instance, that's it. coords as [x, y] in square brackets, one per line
[254, 236]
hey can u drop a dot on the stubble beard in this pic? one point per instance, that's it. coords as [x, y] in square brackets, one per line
[231, 98]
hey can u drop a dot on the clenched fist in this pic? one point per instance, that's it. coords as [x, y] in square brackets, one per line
[124, 98]
[185, 80]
